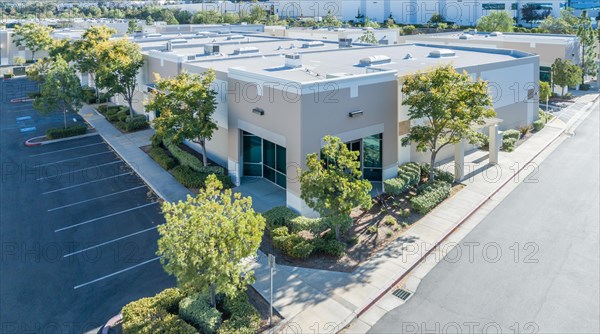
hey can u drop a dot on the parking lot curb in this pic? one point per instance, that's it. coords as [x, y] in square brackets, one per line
[111, 323]
[32, 143]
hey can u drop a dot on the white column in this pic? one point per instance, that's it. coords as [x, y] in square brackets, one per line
[494, 144]
[459, 160]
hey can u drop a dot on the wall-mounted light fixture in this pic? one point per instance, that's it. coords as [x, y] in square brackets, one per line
[355, 113]
[258, 111]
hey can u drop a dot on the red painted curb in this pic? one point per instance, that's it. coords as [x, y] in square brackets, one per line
[21, 99]
[30, 143]
[366, 307]
[112, 322]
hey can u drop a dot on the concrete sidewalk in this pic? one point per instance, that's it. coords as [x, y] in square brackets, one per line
[128, 147]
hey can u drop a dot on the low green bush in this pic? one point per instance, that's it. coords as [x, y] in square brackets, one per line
[243, 317]
[184, 158]
[544, 116]
[439, 173]
[538, 125]
[112, 115]
[291, 244]
[33, 95]
[162, 158]
[156, 314]
[188, 177]
[331, 247]
[122, 116]
[102, 108]
[197, 311]
[88, 95]
[156, 140]
[73, 130]
[301, 223]
[508, 144]
[136, 125]
[511, 133]
[279, 216]
[430, 195]
[584, 87]
[8, 75]
[409, 175]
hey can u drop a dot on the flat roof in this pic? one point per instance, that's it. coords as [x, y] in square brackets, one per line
[505, 37]
[321, 65]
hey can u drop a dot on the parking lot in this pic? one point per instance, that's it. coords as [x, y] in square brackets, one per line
[78, 229]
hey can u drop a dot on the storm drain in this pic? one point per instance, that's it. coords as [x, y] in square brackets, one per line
[402, 294]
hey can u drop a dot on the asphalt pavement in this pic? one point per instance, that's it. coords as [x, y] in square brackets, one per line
[531, 266]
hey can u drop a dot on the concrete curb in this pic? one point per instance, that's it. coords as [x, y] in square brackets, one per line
[112, 322]
[382, 292]
[31, 143]
[21, 100]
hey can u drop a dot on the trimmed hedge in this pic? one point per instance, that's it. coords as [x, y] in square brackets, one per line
[292, 245]
[102, 108]
[243, 317]
[409, 176]
[188, 177]
[184, 158]
[512, 133]
[279, 216]
[131, 126]
[508, 144]
[73, 130]
[162, 158]
[301, 223]
[329, 246]
[197, 311]
[430, 195]
[538, 125]
[440, 174]
[156, 314]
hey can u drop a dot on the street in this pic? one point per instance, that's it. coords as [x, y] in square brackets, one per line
[531, 266]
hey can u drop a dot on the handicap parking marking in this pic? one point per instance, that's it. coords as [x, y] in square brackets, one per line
[111, 241]
[28, 129]
[116, 273]
[105, 216]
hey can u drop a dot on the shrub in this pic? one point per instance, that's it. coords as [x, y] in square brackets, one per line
[197, 311]
[33, 95]
[155, 314]
[291, 244]
[88, 95]
[122, 116]
[584, 87]
[183, 157]
[508, 144]
[544, 116]
[388, 234]
[188, 177]
[162, 158]
[331, 247]
[389, 220]
[301, 249]
[136, 125]
[73, 130]
[405, 213]
[156, 140]
[523, 130]
[440, 174]
[430, 195]
[372, 229]
[301, 223]
[112, 115]
[512, 133]
[102, 108]
[243, 317]
[538, 125]
[408, 176]
[8, 75]
[279, 216]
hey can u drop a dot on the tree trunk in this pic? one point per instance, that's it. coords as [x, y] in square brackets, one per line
[432, 167]
[130, 103]
[337, 232]
[562, 91]
[213, 295]
[32, 55]
[203, 145]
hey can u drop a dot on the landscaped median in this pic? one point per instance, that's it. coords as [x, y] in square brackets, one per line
[512, 138]
[310, 242]
[58, 134]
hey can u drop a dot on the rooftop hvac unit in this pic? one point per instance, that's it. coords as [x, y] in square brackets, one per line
[312, 44]
[244, 50]
[293, 60]
[211, 49]
[375, 60]
[169, 46]
[442, 53]
[345, 43]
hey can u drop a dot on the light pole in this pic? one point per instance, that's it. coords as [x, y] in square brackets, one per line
[271, 262]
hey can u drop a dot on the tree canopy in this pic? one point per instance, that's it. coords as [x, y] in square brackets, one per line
[496, 21]
[565, 73]
[33, 36]
[207, 237]
[444, 105]
[87, 49]
[332, 185]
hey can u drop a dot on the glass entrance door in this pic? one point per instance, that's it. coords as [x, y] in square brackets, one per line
[369, 154]
[263, 158]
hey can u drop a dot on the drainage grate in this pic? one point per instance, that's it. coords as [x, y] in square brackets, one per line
[402, 294]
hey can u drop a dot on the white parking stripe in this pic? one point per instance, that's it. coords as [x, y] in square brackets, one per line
[116, 273]
[83, 184]
[103, 217]
[95, 198]
[77, 170]
[83, 156]
[66, 149]
[111, 241]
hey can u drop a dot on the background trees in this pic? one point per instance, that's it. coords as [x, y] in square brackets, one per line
[496, 21]
[206, 238]
[87, 50]
[186, 103]
[587, 39]
[332, 184]
[120, 62]
[34, 37]
[565, 73]
[447, 104]
[61, 89]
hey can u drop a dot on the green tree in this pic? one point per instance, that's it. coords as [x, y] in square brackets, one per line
[119, 63]
[496, 21]
[63, 48]
[87, 50]
[39, 70]
[206, 238]
[61, 90]
[331, 21]
[149, 20]
[207, 17]
[33, 36]
[437, 18]
[186, 103]
[332, 185]
[545, 92]
[554, 25]
[565, 73]
[446, 104]
[132, 26]
[257, 14]
[529, 13]
[587, 40]
[18, 60]
[368, 37]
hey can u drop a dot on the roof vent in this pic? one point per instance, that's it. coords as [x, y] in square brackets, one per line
[442, 53]
[337, 75]
[292, 46]
[246, 49]
[465, 37]
[234, 37]
[408, 56]
[211, 49]
[375, 60]
[293, 60]
[495, 34]
[279, 48]
[178, 41]
[312, 44]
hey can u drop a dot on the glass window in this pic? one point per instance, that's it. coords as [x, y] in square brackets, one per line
[372, 174]
[252, 149]
[269, 153]
[252, 170]
[281, 160]
[281, 180]
[493, 6]
[268, 174]
[372, 151]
